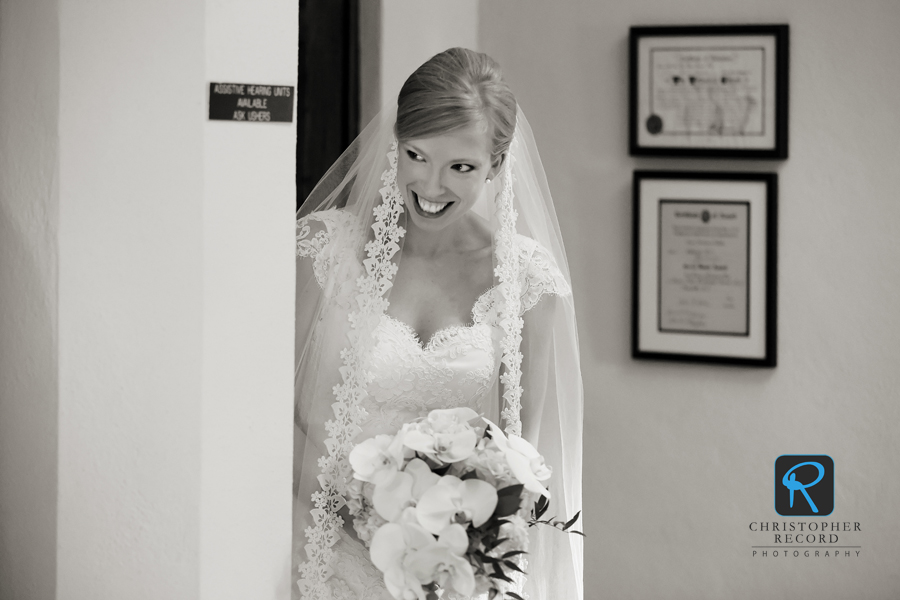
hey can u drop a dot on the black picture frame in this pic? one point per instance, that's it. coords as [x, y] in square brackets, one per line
[705, 267]
[743, 105]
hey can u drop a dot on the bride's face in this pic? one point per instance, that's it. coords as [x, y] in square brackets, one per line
[442, 177]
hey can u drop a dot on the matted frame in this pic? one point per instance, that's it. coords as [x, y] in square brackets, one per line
[704, 267]
[709, 91]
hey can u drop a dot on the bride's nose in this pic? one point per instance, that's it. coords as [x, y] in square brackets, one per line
[433, 184]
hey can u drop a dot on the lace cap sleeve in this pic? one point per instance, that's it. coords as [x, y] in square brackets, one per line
[327, 238]
[539, 272]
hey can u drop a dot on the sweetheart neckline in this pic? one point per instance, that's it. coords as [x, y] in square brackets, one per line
[414, 335]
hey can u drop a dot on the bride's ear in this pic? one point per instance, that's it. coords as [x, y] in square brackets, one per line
[496, 165]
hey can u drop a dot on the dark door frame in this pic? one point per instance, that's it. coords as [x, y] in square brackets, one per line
[327, 87]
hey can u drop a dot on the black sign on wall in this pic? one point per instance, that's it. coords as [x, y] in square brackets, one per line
[251, 102]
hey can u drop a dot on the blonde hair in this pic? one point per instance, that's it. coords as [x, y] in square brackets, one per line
[455, 89]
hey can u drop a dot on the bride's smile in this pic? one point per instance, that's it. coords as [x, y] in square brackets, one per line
[426, 208]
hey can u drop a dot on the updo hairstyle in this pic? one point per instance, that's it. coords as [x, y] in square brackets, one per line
[453, 90]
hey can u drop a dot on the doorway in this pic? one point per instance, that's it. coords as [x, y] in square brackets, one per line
[327, 87]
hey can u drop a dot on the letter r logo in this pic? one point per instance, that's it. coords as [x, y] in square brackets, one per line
[804, 485]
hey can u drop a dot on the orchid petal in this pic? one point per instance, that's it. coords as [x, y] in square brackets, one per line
[541, 471]
[407, 516]
[520, 463]
[521, 468]
[455, 446]
[370, 459]
[397, 449]
[536, 462]
[392, 495]
[497, 434]
[388, 547]
[419, 441]
[424, 563]
[461, 414]
[463, 577]
[403, 585]
[522, 446]
[436, 508]
[455, 538]
[438, 563]
[423, 478]
[416, 536]
[479, 499]
[440, 505]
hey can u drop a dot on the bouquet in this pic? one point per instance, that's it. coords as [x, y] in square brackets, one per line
[445, 503]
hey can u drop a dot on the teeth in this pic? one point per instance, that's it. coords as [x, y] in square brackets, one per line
[430, 207]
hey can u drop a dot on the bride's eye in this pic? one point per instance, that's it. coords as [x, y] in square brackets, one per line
[462, 168]
[414, 156]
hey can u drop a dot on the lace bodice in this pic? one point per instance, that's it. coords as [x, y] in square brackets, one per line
[454, 368]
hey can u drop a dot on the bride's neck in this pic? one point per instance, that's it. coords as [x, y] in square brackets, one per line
[463, 235]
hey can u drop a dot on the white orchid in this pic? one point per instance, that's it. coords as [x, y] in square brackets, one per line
[443, 561]
[423, 478]
[404, 586]
[444, 436]
[452, 500]
[401, 489]
[525, 462]
[391, 546]
[378, 458]
[489, 463]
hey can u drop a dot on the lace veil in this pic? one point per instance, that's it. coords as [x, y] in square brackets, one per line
[352, 227]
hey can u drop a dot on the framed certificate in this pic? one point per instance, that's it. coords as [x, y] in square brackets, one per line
[704, 267]
[709, 91]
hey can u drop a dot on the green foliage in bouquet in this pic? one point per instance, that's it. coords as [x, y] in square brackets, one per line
[540, 508]
[485, 539]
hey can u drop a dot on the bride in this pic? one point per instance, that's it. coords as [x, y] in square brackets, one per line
[431, 274]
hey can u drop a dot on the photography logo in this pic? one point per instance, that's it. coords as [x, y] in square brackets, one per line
[804, 485]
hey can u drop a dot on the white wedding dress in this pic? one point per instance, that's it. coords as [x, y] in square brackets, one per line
[408, 377]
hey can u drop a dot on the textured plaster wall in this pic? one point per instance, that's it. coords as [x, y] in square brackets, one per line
[131, 298]
[29, 222]
[146, 280]
[249, 253]
[408, 32]
[176, 303]
[679, 459]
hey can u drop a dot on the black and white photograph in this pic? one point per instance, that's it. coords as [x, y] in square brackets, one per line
[449, 300]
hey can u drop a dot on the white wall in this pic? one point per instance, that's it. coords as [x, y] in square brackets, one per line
[131, 294]
[153, 461]
[249, 253]
[406, 34]
[680, 457]
[29, 211]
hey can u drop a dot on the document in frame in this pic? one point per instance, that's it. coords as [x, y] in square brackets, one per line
[704, 267]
